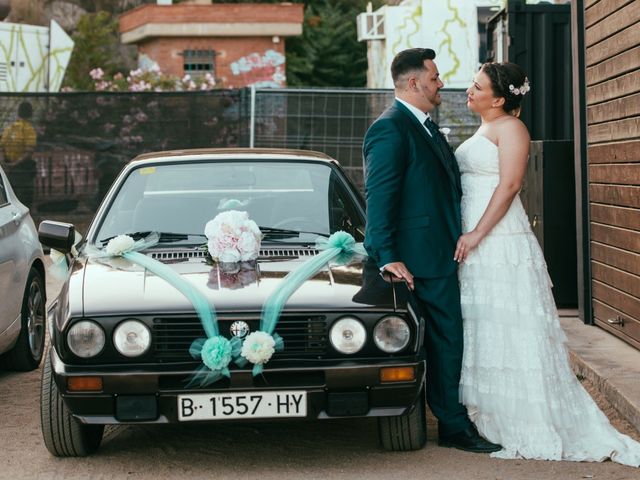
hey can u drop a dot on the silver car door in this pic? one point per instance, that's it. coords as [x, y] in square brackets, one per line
[11, 287]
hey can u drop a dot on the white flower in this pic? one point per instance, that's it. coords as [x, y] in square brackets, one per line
[119, 245]
[248, 246]
[522, 89]
[232, 237]
[445, 131]
[258, 347]
[229, 256]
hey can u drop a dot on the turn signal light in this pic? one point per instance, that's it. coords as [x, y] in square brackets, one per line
[84, 384]
[397, 374]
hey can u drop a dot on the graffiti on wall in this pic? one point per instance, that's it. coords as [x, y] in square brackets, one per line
[261, 71]
[33, 58]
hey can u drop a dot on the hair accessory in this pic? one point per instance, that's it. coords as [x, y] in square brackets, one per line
[522, 90]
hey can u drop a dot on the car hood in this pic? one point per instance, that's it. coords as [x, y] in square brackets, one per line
[119, 287]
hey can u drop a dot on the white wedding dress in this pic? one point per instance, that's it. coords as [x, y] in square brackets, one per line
[516, 380]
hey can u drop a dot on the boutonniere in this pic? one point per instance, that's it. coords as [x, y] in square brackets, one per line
[445, 131]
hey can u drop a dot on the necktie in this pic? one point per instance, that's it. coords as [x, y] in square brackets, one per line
[443, 147]
[437, 137]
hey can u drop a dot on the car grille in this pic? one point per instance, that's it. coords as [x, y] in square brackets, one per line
[271, 252]
[304, 336]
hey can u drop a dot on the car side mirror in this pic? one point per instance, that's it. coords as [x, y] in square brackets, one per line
[58, 235]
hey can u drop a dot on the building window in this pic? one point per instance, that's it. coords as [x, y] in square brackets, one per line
[198, 63]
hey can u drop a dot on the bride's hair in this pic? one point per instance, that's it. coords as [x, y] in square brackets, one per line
[508, 81]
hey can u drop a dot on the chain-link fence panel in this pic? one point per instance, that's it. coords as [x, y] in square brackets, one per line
[334, 121]
[63, 151]
[62, 157]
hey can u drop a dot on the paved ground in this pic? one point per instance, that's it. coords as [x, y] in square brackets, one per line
[321, 450]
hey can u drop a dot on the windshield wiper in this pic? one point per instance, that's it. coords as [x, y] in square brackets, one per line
[287, 233]
[165, 237]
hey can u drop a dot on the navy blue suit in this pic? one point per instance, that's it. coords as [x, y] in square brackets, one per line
[412, 187]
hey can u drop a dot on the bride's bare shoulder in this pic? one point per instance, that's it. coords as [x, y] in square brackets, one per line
[512, 129]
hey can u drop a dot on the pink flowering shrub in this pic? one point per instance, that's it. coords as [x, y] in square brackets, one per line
[151, 80]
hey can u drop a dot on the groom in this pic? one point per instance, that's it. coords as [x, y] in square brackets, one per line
[412, 186]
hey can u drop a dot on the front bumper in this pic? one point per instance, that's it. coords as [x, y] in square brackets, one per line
[334, 390]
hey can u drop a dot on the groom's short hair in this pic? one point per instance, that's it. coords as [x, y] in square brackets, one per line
[410, 59]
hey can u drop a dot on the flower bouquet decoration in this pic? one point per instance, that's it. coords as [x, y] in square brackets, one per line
[259, 346]
[232, 237]
[215, 351]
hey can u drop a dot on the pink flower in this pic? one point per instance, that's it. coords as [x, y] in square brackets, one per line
[232, 237]
[96, 73]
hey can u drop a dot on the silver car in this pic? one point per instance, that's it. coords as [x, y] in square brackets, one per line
[22, 285]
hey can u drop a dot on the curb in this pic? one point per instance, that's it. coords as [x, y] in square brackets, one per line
[615, 395]
[610, 364]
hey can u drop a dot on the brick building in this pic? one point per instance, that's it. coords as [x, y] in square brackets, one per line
[239, 44]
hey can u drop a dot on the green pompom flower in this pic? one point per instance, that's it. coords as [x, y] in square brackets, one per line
[216, 353]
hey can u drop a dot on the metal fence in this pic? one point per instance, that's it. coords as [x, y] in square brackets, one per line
[82, 140]
[334, 121]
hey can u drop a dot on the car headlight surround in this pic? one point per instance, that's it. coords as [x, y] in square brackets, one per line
[391, 334]
[348, 335]
[86, 339]
[132, 338]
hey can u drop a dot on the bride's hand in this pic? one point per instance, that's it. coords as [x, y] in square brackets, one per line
[466, 243]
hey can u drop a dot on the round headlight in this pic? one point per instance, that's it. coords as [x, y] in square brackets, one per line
[86, 339]
[132, 338]
[348, 335]
[391, 334]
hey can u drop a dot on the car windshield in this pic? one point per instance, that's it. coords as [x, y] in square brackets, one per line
[292, 202]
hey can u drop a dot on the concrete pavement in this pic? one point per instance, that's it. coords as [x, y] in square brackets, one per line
[610, 364]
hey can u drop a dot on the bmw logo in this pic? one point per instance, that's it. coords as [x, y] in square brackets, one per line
[239, 329]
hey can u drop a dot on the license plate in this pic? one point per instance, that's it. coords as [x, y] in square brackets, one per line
[225, 406]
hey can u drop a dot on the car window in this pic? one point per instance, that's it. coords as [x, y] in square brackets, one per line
[181, 198]
[3, 193]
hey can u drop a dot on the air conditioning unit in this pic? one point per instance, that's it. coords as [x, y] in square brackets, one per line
[370, 26]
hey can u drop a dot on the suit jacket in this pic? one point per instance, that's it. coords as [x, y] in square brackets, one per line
[412, 187]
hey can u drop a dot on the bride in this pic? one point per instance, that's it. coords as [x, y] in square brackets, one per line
[516, 381]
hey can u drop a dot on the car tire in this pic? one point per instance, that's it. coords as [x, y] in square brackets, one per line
[405, 432]
[64, 435]
[26, 354]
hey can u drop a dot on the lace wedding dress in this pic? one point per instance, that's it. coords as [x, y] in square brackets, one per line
[516, 381]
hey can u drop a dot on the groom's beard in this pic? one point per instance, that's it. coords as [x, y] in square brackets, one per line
[438, 99]
[433, 100]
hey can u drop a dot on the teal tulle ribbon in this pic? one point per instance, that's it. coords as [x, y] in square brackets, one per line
[339, 248]
[217, 351]
[59, 267]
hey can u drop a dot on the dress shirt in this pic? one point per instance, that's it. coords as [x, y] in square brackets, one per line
[420, 115]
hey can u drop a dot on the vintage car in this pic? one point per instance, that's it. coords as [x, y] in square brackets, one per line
[22, 285]
[121, 335]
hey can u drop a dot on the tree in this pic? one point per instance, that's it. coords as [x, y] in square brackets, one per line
[96, 45]
[327, 54]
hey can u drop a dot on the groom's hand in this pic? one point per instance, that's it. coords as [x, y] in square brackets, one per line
[401, 272]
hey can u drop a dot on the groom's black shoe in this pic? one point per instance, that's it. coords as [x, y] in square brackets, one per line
[468, 440]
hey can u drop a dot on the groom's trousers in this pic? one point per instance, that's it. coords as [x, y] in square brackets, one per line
[440, 301]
